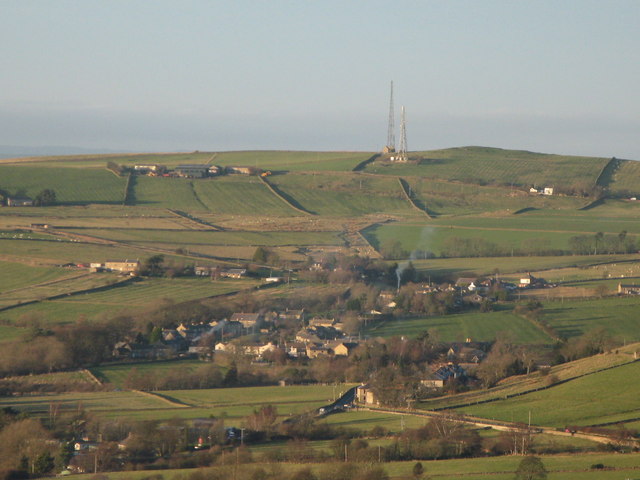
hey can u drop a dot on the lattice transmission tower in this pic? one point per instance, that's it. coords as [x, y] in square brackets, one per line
[402, 150]
[391, 132]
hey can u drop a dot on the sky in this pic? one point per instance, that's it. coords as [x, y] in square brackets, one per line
[156, 75]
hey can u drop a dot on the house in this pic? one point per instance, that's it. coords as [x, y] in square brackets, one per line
[365, 395]
[214, 170]
[468, 352]
[294, 315]
[468, 283]
[149, 168]
[547, 191]
[431, 381]
[321, 322]
[628, 289]
[533, 190]
[248, 320]
[297, 349]
[203, 271]
[192, 170]
[124, 266]
[19, 202]
[314, 350]
[234, 273]
[344, 348]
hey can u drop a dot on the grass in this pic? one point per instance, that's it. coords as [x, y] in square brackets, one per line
[617, 315]
[240, 195]
[195, 237]
[177, 193]
[602, 397]
[72, 186]
[345, 194]
[553, 268]
[293, 161]
[480, 165]
[625, 179]
[116, 374]
[523, 383]
[483, 327]
[18, 275]
[231, 403]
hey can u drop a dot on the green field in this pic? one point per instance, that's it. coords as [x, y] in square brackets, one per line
[196, 237]
[345, 194]
[232, 403]
[18, 275]
[72, 186]
[618, 315]
[481, 327]
[116, 374]
[481, 165]
[607, 396]
[292, 160]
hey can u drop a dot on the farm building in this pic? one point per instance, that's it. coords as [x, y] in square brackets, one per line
[19, 202]
[234, 273]
[214, 170]
[629, 289]
[240, 170]
[151, 169]
[193, 170]
[124, 266]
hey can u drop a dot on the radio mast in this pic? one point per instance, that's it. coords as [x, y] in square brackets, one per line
[391, 132]
[402, 151]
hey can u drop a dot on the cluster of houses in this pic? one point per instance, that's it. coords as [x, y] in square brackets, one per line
[192, 170]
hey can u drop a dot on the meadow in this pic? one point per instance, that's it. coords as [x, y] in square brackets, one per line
[18, 275]
[602, 397]
[230, 403]
[116, 374]
[344, 194]
[481, 327]
[480, 165]
[72, 186]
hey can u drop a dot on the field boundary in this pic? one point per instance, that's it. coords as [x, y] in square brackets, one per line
[404, 186]
[128, 190]
[531, 390]
[285, 198]
[163, 398]
[361, 166]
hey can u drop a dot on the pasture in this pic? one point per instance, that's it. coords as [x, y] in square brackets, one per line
[18, 275]
[617, 315]
[523, 383]
[481, 327]
[344, 194]
[72, 186]
[231, 403]
[293, 160]
[481, 165]
[602, 397]
[116, 374]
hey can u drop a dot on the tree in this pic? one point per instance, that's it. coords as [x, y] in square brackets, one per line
[418, 470]
[45, 198]
[531, 468]
[153, 266]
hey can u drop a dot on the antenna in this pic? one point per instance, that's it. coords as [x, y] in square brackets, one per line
[402, 151]
[391, 132]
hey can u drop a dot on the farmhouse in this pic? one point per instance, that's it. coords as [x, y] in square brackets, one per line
[629, 289]
[365, 395]
[192, 170]
[202, 271]
[19, 202]
[124, 266]
[151, 169]
[234, 273]
[214, 170]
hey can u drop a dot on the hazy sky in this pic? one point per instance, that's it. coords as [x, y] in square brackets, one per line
[551, 76]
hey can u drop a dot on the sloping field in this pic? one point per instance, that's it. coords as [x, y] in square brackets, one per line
[524, 383]
[117, 374]
[617, 315]
[177, 193]
[62, 252]
[72, 186]
[194, 237]
[345, 194]
[17, 275]
[293, 160]
[240, 195]
[602, 397]
[480, 165]
[100, 160]
[441, 197]
[626, 179]
[482, 327]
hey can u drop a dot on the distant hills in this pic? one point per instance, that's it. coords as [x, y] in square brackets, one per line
[12, 151]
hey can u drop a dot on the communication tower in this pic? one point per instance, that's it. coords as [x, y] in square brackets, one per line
[402, 150]
[391, 132]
